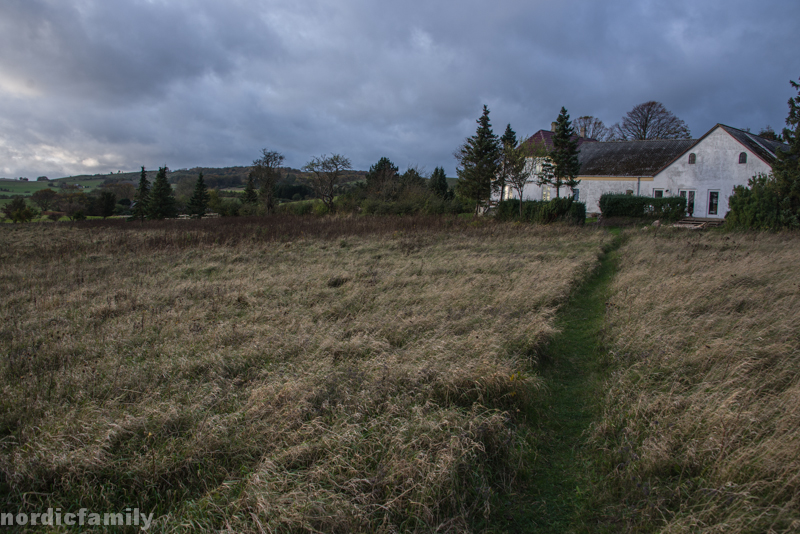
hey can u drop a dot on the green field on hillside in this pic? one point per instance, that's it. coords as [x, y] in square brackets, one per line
[17, 187]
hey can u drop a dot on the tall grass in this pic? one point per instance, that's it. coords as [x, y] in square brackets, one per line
[701, 431]
[280, 374]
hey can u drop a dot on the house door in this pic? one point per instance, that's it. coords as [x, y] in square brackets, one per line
[713, 203]
[689, 196]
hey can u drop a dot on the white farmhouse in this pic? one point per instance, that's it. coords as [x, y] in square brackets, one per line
[704, 170]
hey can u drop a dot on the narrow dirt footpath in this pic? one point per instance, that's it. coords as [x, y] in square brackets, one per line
[557, 490]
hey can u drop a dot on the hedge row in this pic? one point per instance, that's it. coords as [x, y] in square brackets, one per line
[543, 211]
[668, 208]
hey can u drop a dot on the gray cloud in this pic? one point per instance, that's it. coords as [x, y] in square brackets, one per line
[93, 86]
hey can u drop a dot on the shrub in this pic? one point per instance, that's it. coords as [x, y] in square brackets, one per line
[617, 205]
[760, 205]
[319, 208]
[296, 208]
[543, 211]
[18, 210]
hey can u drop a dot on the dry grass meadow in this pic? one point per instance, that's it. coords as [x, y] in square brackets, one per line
[701, 429]
[319, 375]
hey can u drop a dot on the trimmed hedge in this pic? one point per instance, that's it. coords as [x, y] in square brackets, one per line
[543, 211]
[617, 205]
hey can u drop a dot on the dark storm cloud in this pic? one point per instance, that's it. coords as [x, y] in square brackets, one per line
[93, 86]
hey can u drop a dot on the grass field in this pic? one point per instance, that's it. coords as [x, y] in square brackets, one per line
[277, 375]
[17, 187]
[701, 423]
[302, 374]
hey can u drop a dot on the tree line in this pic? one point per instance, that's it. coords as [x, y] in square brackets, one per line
[488, 164]
[489, 167]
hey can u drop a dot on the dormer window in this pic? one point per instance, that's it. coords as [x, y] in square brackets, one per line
[743, 157]
[692, 158]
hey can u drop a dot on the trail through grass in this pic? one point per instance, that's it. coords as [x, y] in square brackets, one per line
[554, 498]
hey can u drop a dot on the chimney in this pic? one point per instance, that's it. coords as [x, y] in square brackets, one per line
[553, 126]
[583, 131]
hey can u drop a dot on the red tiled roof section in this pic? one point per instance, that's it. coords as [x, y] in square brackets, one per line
[545, 138]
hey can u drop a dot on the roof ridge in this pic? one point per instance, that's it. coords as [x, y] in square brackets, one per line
[755, 139]
[647, 140]
[751, 134]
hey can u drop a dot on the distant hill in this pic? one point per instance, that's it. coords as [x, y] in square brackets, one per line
[215, 177]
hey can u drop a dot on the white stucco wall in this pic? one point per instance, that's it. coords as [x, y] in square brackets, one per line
[592, 187]
[717, 168]
[589, 189]
[533, 191]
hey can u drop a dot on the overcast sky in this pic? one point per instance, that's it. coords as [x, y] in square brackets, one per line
[93, 86]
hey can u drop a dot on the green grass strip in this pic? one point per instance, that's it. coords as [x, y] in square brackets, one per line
[554, 495]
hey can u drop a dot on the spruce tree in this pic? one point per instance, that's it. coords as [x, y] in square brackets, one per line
[142, 197]
[162, 199]
[508, 143]
[773, 201]
[479, 161]
[786, 168]
[564, 154]
[107, 201]
[438, 183]
[199, 202]
[250, 194]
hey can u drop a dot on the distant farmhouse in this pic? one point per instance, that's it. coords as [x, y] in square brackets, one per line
[703, 170]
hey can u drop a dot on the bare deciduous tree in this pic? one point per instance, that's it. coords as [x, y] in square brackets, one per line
[592, 127]
[650, 120]
[328, 172]
[517, 171]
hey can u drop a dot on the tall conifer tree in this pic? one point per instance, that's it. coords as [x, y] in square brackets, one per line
[565, 154]
[438, 183]
[162, 198]
[479, 161]
[250, 193]
[142, 197]
[508, 143]
[199, 201]
[786, 168]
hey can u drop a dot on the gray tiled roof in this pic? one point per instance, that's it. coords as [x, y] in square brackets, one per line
[764, 148]
[630, 158]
